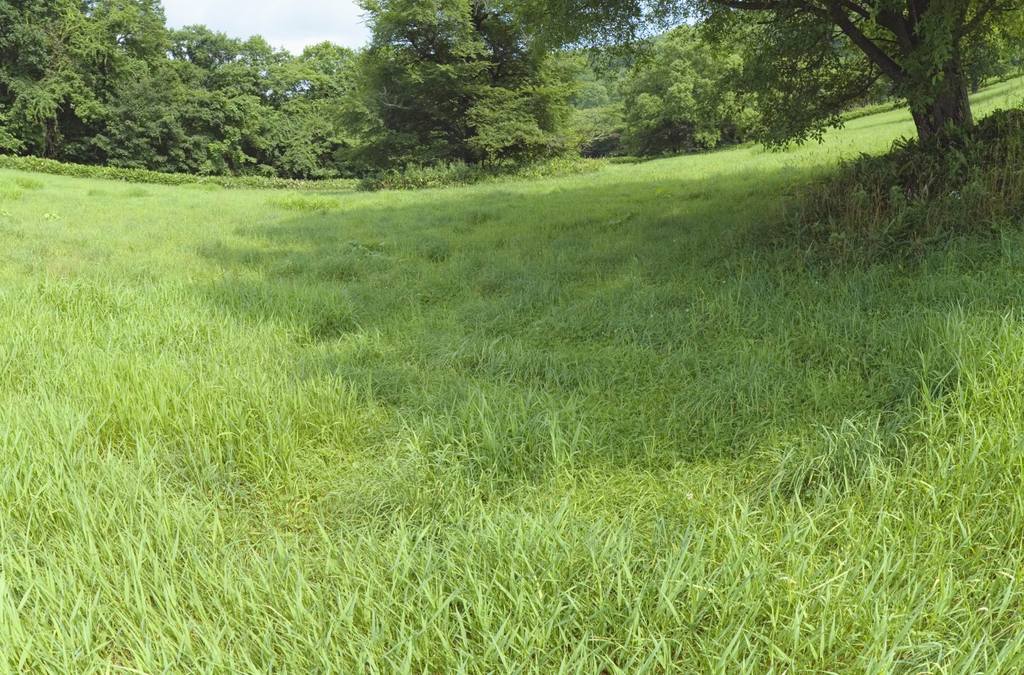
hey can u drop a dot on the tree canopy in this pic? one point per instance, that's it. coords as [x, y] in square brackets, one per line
[808, 59]
[457, 80]
[491, 82]
[681, 96]
[106, 82]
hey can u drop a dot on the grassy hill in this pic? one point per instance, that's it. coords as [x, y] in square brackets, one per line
[604, 423]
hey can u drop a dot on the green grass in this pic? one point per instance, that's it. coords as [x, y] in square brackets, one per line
[584, 424]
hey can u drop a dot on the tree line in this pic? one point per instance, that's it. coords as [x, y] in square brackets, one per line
[107, 82]
[487, 82]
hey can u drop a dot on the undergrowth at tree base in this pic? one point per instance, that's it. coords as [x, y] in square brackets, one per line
[901, 204]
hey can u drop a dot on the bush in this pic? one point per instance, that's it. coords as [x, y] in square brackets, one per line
[458, 173]
[918, 194]
[52, 167]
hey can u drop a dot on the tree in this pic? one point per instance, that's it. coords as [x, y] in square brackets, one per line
[309, 138]
[105, 82]
[221, 105]
[457, 80]
[814, 57]
[681, 96]
[46, 50]
[61, 62]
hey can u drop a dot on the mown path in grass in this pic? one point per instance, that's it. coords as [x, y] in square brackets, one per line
[596, 423]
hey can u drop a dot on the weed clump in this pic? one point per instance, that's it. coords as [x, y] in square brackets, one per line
[306, 204]
[919, 194]
[26, 183]
[833, 460]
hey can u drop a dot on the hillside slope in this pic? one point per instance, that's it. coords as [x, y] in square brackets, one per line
[593, 424]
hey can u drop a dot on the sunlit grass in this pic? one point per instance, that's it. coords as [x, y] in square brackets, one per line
[594, 423]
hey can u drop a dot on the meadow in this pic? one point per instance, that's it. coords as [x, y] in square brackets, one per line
[612, 422]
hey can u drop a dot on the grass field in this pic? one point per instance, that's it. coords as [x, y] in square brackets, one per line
[588, 424]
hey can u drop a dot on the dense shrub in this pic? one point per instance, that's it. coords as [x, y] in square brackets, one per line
[52, 167]
[459, 173]
[410, 178]
[918, 193]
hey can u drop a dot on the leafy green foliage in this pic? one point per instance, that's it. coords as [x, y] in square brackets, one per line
[50, 72]
[796, 73]
[902, 202]
[676, 92]
[807, 61]
[597, 121]
[105, 82]
[457, 81]
[681, 96]
[55, 168]
[224, 106]
[413, 177]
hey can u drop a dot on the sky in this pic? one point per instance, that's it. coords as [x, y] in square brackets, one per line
[292, 24]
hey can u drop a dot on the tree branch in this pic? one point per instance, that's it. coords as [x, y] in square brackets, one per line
[969, 27]
[750, 5]
[857, 9]
[898, 25]
[878, 55]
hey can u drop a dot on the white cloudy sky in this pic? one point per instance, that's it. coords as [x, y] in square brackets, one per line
[291, 24]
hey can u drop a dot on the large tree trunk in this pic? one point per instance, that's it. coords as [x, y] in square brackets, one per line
[951, 107]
